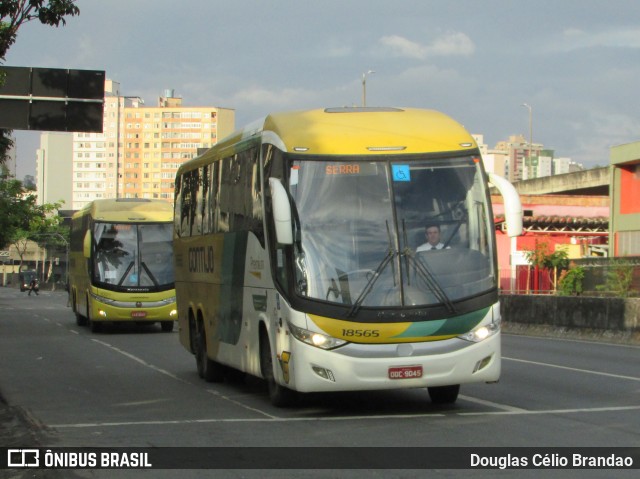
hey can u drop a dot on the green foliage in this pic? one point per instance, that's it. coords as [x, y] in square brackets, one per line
[22, 219]
[619, 280]
[6, 142]
[542, 257]
[570, 282]
[14, 13]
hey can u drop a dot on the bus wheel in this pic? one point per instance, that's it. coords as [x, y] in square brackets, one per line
[444, 394]
[280, 396]
[208, 369]
[80, 320]
[167, 326]
[94, 326]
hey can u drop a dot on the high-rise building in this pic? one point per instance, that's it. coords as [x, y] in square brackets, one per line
[10, 161]
[518, 150]
[141, 147]
[54, 169]
[494, 161]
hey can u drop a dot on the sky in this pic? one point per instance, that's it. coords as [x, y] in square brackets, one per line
[576, 63]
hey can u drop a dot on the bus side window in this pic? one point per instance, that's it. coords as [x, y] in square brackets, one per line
[212, 204]
[177, 208]
[274, 168]
[256, 198]
[190, 182]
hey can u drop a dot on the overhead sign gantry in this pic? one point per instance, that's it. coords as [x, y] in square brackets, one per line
[51, 99]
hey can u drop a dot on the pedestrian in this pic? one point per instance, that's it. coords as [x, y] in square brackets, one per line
[33, 286]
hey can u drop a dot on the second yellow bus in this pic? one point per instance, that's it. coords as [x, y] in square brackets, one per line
[121, 263]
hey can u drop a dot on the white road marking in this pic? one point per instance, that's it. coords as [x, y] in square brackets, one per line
[339, 418]
[173, 376]
[555, 411]
[492, 404]
[587, 371]
[503, 409]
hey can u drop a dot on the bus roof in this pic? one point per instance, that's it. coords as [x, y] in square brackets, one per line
[359, 131]
[349, 131]
[125, 210]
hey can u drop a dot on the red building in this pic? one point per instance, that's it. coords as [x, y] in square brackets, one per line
[577, 223]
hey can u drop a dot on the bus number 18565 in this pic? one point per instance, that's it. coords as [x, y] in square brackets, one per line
[361, 333]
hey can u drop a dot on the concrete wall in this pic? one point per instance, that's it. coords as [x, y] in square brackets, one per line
[574, 312]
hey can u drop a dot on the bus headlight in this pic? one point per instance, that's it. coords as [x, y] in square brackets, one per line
[318, 340]
[481, 332]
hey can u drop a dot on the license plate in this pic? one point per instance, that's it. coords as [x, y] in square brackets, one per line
[138, 314]
[405, 372]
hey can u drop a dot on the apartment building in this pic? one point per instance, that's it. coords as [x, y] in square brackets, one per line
[54, 169]
[518, 151]
[141, 147]
[494, 161]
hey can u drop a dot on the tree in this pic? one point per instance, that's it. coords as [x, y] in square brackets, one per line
[542, 257]
[15, 13]
[5, 143]
[23, 220]
[619, 279]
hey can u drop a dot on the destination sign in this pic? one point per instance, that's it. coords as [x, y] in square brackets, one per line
[351, 169]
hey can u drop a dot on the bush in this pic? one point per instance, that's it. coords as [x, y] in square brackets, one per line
[619, 280]
[570, 282]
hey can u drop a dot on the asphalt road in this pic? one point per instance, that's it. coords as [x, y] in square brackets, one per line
[136, 386]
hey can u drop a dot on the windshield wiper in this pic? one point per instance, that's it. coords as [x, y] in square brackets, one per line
[429, 279]
[391, 252]
[149, 273]
[372, 281]
[124, 276]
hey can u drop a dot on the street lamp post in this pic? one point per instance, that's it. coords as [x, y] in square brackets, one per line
[528, 107]
[364, 87]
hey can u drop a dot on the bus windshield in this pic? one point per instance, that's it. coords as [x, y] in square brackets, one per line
[392, 232]
[129, 256]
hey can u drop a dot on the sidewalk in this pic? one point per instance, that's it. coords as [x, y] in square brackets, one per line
[16, 430]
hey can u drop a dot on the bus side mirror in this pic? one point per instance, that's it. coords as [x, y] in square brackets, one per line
[281, 212]
[512, 204]
[86, 245]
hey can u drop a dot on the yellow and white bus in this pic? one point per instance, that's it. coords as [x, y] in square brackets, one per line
[296, 249]
[121, 263]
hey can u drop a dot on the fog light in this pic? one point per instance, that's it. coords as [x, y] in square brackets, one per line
[482, 364]
[324, 373]
[173, 313]
[102, 314]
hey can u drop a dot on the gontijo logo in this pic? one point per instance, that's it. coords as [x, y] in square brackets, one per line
[201, 259]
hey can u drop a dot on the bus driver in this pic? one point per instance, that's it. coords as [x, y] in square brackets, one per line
[432, 233]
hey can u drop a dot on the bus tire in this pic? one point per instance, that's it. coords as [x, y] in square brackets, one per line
[80, 320]
[209, 370]
[94, 326]
[280, 396]
[444, 394]
[167, 326]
